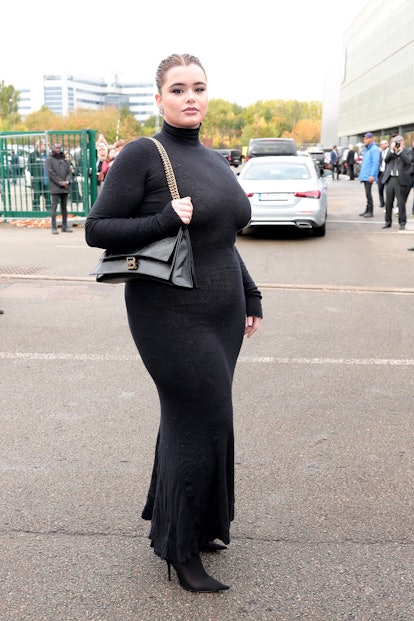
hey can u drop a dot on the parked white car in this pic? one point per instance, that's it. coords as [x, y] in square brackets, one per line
[285, 191]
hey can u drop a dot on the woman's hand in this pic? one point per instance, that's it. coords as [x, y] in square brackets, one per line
[183, 207]
[252, 325]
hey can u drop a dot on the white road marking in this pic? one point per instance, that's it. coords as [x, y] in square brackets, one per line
[404, 362]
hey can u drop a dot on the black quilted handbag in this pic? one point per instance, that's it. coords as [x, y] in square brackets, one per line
[169, 260]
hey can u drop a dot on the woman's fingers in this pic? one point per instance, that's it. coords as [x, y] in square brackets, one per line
[183, 208]
[252, 325]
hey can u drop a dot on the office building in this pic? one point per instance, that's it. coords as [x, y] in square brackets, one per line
[376, 79]
[65, 93]
[25, 102]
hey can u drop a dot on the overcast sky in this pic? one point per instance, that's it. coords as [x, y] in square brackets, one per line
[267, 49]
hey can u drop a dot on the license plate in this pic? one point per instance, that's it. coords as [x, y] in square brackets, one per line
[275, 196]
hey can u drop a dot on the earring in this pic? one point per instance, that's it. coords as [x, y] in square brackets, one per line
[161, 110]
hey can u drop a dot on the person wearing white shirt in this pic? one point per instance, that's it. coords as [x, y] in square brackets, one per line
[384, 151]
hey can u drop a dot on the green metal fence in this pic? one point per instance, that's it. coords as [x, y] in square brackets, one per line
[23, 179]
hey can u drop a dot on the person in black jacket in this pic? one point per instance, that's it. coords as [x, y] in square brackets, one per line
[38, 175]
[384, 152]
[350, 162]
[411, 151]
[397, 179]
[60, 177]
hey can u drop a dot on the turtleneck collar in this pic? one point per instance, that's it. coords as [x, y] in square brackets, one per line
[181, 134]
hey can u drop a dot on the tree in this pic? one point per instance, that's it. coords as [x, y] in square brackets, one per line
[306, 131]
[43, 119]
[223, 125]
[226, 124]
[9, 107]
[108, 121]
[277, 118]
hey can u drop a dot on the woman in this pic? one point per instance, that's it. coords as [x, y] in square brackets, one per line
[101, 165]
[188, 339]
[75, 195]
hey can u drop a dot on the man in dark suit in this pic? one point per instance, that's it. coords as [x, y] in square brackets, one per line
[350, 162]
[397, 179]
[411, 151]
[384, 152]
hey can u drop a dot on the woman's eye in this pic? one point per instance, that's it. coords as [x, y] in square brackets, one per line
[177, 90]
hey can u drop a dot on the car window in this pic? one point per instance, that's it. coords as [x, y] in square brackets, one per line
[266, 146]
[277, 172]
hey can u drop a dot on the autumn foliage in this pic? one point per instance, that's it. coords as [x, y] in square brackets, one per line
[226, 125]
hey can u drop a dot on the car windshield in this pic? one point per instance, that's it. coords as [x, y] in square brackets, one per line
[277, 172]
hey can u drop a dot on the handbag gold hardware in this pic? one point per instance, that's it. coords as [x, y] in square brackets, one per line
[132, 263]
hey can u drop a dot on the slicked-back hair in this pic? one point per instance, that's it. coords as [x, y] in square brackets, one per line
[175, 60]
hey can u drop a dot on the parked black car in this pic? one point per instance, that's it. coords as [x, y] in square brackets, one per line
[318, 156]
[233, 156]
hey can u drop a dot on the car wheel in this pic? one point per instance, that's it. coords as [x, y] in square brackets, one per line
[320, 231]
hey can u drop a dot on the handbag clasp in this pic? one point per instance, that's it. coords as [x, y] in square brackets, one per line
[132, 263]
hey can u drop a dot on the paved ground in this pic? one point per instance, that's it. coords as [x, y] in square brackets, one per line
[324, 436]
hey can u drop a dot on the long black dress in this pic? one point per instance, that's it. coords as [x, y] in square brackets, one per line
[189, 340]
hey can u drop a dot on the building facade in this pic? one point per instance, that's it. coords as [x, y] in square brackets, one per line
[65, 93]
[25, 102]
[376, 90]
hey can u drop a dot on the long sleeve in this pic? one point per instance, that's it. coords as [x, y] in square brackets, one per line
[375, 162]
[251, 292]
[127, 213]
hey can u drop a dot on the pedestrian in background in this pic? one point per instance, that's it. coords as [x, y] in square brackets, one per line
[411, 151]
[38, 175]
[60, 177]
[112, 153]
[101, 164]
[350, 162]
[334, 161]
[75, 195]
[14, 166]
[119, 144]
[369, 172]
[397, 180]
[384, 146]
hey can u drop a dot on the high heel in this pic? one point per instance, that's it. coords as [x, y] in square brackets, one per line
[212, 546]
[193, 577]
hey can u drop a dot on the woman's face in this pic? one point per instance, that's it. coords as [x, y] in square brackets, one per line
[184, 96]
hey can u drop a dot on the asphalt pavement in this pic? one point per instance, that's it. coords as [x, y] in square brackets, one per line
[324, 404]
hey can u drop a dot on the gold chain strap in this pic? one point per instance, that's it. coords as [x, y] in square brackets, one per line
[169, 173]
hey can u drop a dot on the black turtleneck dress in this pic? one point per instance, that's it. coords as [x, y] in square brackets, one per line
[188, 339]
